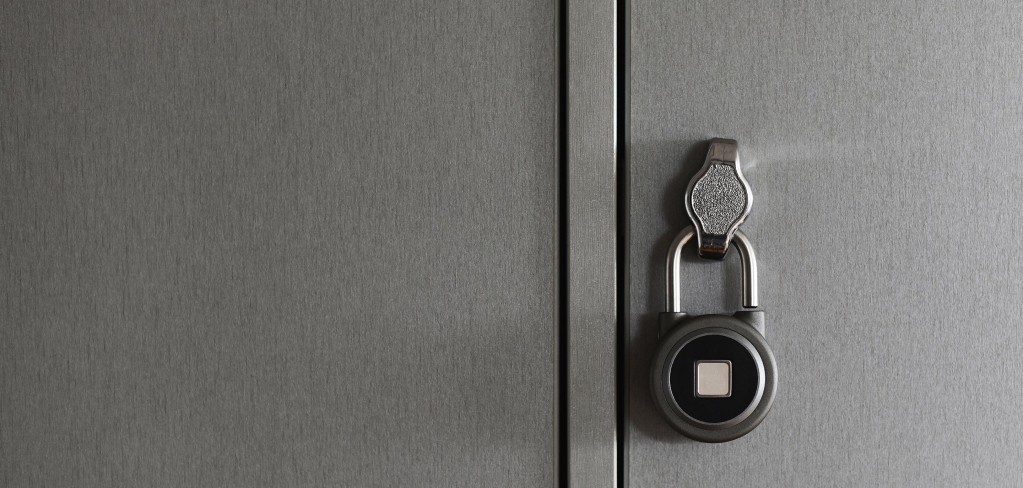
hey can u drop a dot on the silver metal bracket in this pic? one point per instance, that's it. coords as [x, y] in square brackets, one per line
[718, 199]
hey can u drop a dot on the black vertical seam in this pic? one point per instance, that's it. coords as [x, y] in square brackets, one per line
[561, 143]
[622, 184]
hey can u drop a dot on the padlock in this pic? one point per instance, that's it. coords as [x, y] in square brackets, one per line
[713, 377]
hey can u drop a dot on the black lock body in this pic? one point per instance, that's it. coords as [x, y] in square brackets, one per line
[728, 343]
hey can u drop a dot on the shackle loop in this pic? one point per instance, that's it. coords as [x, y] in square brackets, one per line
[674, 271]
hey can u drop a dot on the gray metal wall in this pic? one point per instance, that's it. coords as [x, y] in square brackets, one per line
[883, 143]
[276, 244]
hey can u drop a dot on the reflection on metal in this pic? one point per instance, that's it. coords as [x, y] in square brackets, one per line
[589, 156]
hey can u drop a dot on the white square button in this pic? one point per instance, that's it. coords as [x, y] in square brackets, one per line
[713, 379]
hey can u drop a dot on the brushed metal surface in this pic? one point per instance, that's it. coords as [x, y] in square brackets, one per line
[592, 303]
[276, 244]
[882, 143]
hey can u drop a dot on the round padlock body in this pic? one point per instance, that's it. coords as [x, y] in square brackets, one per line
[713, 378]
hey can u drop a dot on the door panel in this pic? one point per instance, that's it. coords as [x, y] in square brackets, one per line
[277, 245]
[882, 142]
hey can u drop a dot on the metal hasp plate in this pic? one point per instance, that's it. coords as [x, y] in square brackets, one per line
[718, 199]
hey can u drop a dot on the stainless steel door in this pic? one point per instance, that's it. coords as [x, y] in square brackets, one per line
[277, 244]
[882, 142]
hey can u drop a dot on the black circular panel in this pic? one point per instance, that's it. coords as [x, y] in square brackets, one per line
[745, 378]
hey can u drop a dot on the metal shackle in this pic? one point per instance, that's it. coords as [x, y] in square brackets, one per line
[674, 270]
